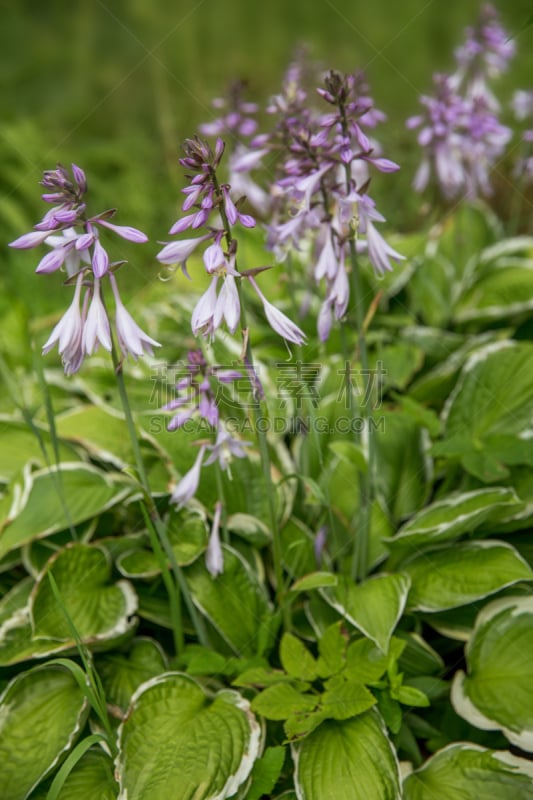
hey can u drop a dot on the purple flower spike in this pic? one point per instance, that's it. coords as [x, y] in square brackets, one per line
[214, 557]
[179, 252]
[29, 240]
[225, 449]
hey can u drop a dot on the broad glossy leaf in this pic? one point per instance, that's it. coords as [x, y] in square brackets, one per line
[87, 492]
[465, 771]
[497, 691]
[21, 445]
[177, 742]
[456, 514]
[348, 760]
[492, 402]
[455, 576]
[501, 293]
[187, 534]
[404, 465]
[42, 712]
[103, 432]
[99, 608]
[122, 672]
[91, 777]
[373, 607]
[235, 602]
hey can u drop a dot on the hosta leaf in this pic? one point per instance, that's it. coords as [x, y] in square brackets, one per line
[455, 515]
[92, 777]
[498, 295]
[187, 534]
[98, 608]
[497, 691]
[465, 771]
[235, 602]
[493, 398]
[451, 577]
[178, 743]
[373, 607]
[405, 468]
[87, 493]
[348, 760]
[123, 672]
[101, 431]
[21, 445]
[42, 713]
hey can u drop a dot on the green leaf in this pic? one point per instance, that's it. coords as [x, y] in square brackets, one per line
[451, 577]
[332, 649]
[87, 491]
[483, 408]
[91, 777]
[235, 602]
[501, 293]
[405, 468]
[266, 772]
[99, 609]
[316, 580]
[373, 607]
[345, 698]
[455, 515]
[260, 676]
[282, 701]
[497, 691]
[122, 673]
[466, 771]
[42, 713]
[410, 696]
[102, 431]
[20, 446]
[177, 742]
[349, 760]
[187, 534]
[296, 659]
[349, 452]
[365, 662]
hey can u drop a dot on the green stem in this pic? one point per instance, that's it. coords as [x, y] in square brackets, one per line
[155, 519]
[260, 412]
[361, 539]
[222, 498]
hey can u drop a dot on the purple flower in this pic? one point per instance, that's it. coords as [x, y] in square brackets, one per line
[278, 321]
[212, 309]
[132, 340]
[179, 252]
[214, 557]
[67, 334]
[97, 329]
[195, 395]
[188, 485]
[225, 449]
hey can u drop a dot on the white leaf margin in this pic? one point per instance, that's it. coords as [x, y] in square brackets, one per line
[255, 744]
[521, 765]
[80, 722]
[462, 704]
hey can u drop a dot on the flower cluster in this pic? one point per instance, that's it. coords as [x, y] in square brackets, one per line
[522, 106]
[74, 239]
[206, 197]
[195, 395]
[460, 133]
[323, 189]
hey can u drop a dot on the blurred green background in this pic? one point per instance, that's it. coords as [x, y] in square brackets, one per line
[115, 85]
